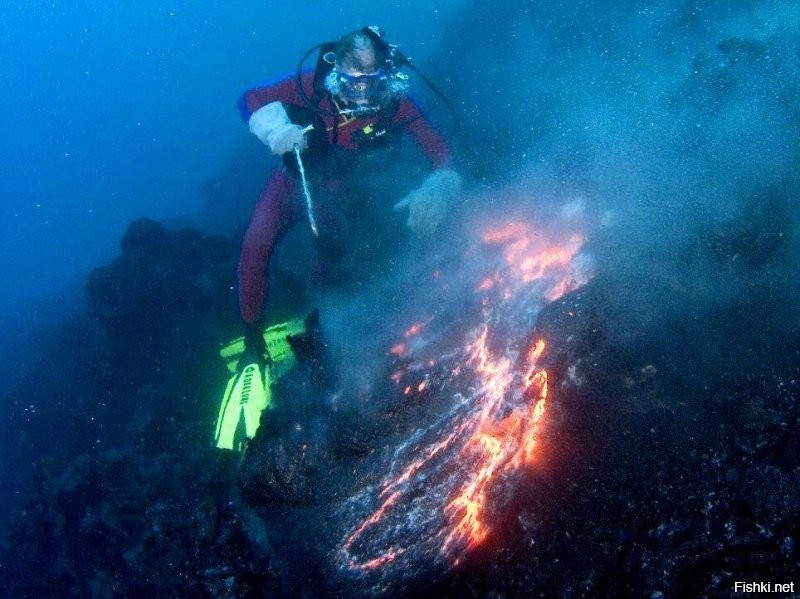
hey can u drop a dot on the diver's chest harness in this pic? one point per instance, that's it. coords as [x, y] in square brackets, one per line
[376, 134]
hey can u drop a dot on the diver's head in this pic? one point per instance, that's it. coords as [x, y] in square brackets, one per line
[356, 53]
[363, 74]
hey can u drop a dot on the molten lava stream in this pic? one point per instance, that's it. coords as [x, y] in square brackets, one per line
[496, 446]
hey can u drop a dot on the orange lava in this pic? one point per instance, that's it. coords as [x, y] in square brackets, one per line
[497, 444]
[530, 256]
[500, 431]
[414, 329]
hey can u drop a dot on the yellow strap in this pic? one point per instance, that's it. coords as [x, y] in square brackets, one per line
[346, 120]
[277, 345]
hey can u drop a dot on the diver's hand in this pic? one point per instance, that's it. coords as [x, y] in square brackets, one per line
[428, 204]
[272, 126]
[285, 139]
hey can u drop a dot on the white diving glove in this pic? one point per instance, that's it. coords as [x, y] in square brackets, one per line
[272, 126]
[428, 204]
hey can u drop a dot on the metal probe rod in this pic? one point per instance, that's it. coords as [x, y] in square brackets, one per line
[309, 207]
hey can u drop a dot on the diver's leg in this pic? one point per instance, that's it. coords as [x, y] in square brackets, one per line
[276, 210]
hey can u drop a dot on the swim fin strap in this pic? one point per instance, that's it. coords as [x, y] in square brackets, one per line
[276, 339]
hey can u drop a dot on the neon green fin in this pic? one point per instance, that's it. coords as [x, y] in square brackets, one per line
[247, 395]
[249, 392]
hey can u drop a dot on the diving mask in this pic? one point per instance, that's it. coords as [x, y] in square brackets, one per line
[367, 90]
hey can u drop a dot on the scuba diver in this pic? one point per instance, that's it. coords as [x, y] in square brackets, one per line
[321, 122]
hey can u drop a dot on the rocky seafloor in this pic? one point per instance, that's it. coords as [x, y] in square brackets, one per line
[669, 466]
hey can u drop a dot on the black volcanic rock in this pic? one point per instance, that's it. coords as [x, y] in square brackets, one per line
[166, 305]
[670, 465]
[664, 478]
[130, 523]
[652, 487]
[158, 512]
[169, 294]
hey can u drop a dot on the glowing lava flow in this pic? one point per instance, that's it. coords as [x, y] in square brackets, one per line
[391, 493]
[530, 257]
[498, 443]
[443, 480]
[497, 434]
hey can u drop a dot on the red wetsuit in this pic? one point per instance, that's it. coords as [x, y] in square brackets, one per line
[280, 206]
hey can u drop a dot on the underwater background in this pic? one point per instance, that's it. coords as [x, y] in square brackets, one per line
[114, 112]
[666, 132]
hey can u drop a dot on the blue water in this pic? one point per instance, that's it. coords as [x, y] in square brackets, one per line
[112, 110]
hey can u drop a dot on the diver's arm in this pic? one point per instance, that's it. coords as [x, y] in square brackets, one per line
[425, 135]
[271, 124]
[284, 91]
[264, 110]
[429, 204]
